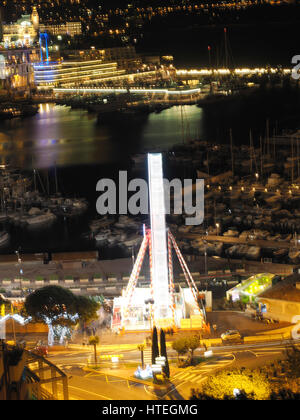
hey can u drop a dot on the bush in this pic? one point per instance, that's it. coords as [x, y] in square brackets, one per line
[253, 383]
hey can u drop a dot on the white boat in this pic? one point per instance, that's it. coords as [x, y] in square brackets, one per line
[100, 223]
[133, 240]
[103, 235]
[294, 253]
[123, 222]
[231, 233]
[3, 217]
[253, 252]
[40, 218]
[4, 238]
[281, 252]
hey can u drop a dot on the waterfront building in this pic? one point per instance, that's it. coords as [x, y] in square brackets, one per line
[16, 68]
[75, 73]
[125, 57]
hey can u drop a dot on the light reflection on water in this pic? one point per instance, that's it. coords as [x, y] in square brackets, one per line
[60, 136]
[83, 152]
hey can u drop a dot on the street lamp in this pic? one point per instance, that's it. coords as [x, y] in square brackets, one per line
[150, 302]
[19, 262]
[217, 226]
[205, 257]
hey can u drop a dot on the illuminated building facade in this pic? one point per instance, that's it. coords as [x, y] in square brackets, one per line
[16, 68]
[74, 73]
[67, 28]
[21, 33]
[125, 57]
[24, 32]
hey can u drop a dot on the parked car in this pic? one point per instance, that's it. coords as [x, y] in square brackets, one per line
[231, 336]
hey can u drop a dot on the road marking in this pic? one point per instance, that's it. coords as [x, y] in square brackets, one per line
[182, 375]
[90, 392]
[267, 353]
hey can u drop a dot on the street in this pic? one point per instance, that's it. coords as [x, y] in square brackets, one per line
[89, 385]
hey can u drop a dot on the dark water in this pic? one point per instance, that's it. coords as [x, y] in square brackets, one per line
[83, 151]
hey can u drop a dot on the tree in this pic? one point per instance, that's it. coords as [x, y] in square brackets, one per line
[57, 306]
[87, 308]
[163, 352]
[93, 341]
[252, 383]
[141, 348]
[155, 349]
[180, 346]
[293, 361]
[192, 344]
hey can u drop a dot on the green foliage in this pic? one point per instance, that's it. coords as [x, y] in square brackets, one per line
[252, 383]
[193, 342]
[141, 347]
[51, 302]
[59, 306]
[186, 344]
[86, 308]
[163, 352]
[93, 340]
[292, 362]
[282, 394]
[180, 346]
[155, 349]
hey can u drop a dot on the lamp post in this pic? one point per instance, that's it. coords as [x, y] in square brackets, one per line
[21, 270]
[205, 257]
[150, 302]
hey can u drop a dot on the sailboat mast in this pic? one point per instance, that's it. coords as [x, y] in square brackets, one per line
[250, 140]
[231, 148]
[292, 145]
[261, 156]
[226, 48]
[268, 139]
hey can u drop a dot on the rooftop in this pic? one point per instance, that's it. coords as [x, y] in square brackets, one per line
[284, 290]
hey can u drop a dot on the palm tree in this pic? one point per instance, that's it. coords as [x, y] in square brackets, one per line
[163, 352]
[93, 341]
[155, 349]
[141, 348]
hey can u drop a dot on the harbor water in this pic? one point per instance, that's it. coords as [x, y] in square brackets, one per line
[71, 152]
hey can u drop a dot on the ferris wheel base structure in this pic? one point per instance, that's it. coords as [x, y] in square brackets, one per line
[159, 304]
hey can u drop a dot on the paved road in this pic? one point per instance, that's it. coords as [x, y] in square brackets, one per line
[89, 385]
[246, 241]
